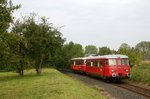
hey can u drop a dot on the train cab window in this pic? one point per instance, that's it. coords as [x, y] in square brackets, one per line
[125, 61]
[119, 62]
[112, 62]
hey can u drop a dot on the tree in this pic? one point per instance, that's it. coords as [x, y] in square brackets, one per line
[67, 52]
[104, 51]
[6, 10]
[134, 55]
[144, 47]
[17, 49]
[42, 38]
[90, 49]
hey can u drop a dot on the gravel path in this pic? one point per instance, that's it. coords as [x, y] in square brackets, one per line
[113, 91]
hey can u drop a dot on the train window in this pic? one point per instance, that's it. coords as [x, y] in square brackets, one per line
[95, 63]
[101, 63]
[98, 63]
[82, 62]
[88, 63]
[78, 62]
[112, 62]
[72, 62]
[119, 62]
[125, 61]
[106, 62]
[91, 63]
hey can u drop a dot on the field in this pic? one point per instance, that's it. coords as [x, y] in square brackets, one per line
[141, 73]
[51, 84]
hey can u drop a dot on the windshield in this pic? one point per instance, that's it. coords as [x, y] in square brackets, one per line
[125, 61]
[112, 62]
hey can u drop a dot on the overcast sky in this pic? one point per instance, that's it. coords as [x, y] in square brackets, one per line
[95, 22]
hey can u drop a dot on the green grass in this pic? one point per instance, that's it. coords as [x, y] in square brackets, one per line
[51, 84]
[141, 73]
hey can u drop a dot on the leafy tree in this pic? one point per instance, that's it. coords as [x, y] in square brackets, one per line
[42, 38]
[134, 55]
[113, 52]
[6, 10]
[104, 51]
[67, 52]
[90, 49]
[17, 49]
[144, 47]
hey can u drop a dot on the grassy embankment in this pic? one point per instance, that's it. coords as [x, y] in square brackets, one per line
[51, 84]
[141, 73]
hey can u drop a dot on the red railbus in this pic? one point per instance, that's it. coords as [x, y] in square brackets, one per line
[107, 66]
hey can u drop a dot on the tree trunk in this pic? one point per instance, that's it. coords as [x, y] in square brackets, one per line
[39, 68]
[21, 70]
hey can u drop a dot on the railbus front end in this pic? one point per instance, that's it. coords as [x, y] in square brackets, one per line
[117, 68]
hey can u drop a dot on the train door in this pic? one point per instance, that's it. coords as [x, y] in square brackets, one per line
[105, 63]
[101, 67]
[83, 65]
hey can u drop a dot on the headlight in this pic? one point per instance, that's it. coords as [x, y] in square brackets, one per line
[112, 71]
[126, 70]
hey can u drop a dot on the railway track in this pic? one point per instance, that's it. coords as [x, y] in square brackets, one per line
[135, 89]
[130, 87]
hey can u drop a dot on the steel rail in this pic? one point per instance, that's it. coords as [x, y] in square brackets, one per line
[137, 92]
[137, 87]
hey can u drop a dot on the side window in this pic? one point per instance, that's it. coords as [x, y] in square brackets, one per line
[88, 63]
[82, 62]
[101, 63]
[78, 62]
[72, 62]
[91, 63]
[119, 62]
[106, 62]
[98, 63]
[95, 63]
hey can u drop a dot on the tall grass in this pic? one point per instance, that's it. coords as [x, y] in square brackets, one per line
[51, 84]
[141, 73]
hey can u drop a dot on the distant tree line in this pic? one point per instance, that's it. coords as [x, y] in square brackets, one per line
[33, 42]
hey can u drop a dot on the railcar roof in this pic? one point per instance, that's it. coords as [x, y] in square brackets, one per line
[101, 57]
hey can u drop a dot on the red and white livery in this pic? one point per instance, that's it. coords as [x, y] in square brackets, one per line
[107, 66]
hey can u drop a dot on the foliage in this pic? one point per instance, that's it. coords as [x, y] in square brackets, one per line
[67, 52]
[90, 49]
[104, 51]
[144, 47]
[6, 10]
[42, 38]
[135, 56]
[8, 41]
[51, 84]
[141, 73]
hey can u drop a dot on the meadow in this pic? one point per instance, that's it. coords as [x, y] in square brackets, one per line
[51, 84]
